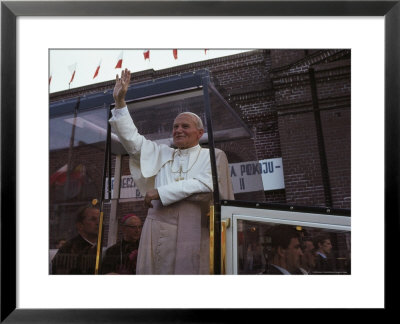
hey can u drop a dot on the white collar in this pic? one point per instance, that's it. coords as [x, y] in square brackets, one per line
[321, 254]
[284, 271]
[188, 150]
[92, 244]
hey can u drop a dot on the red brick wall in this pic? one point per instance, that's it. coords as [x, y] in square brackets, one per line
[284, 57]
[301, 164]
[336, 127]
[298, 132]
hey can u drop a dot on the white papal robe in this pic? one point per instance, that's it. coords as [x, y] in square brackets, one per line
[175, 237]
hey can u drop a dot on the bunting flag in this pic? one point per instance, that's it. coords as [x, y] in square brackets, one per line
[146, 55]
[72, 69]
[50, 77]
[175, 53]
[205, 52]
[119, 63]
[72, 77]
[96, 73]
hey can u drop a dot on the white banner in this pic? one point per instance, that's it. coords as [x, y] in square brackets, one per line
[257, 175]
[246, 176]
[128, 188]
[272, 174]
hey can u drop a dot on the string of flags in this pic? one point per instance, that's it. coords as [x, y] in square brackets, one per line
[146, 54]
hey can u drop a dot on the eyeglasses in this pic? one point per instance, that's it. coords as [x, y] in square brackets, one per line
[134, 226]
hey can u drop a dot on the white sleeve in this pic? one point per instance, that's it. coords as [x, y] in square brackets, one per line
[179, 190]
[118, 113]
[122, 124]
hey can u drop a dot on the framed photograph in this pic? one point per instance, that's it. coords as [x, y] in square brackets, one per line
[370, 32]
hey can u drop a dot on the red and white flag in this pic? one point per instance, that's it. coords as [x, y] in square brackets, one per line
[175, 53]
[59, 176]
[50, 77]
[205, 52]
[146, 55]
[96, 73]
[119, 63]
[77, 175]
[72, 69]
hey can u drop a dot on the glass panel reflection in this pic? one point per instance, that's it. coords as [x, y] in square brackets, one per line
[233, 137]
[154, 117]
[268, 248]
[76, 160]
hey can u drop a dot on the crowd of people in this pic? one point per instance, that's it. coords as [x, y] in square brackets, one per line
[289, 252]
[78, 255]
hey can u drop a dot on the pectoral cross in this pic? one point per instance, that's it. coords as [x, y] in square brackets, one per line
[179, 178]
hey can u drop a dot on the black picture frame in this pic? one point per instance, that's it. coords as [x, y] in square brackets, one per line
[10, 10]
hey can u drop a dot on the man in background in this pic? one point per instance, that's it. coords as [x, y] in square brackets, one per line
[121, 257]
[323, 262]
[78, 255]
[308, 257]
[285, 251]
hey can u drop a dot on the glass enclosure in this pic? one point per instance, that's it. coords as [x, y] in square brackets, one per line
[77, 144]
[83, 166]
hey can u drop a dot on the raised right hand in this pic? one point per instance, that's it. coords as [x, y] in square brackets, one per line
[121, 88]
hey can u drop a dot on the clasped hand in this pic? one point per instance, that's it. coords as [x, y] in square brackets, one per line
[152, 194]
